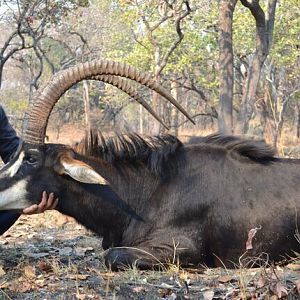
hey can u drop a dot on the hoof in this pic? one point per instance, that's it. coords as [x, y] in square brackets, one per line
[124, 258]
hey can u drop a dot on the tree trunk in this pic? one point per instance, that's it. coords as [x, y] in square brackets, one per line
[1, 73]
[174, 111]
[298, 119]
[156, 99]
[141, 121]
[264, 32]
[226, 10]
[279, 124]
[175, 14]
[264, 111]
[156, 128]
[86, 99]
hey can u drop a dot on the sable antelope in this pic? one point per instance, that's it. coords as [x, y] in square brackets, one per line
[197, 201]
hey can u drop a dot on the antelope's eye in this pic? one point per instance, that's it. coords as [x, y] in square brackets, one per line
[32, 160]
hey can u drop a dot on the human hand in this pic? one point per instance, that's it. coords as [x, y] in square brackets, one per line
[46, 203]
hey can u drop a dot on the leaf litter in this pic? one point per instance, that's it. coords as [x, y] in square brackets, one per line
[50, 256]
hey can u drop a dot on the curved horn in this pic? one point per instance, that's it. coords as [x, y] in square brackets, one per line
[40, 107]
[125, 86]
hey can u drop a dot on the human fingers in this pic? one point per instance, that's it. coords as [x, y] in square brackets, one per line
[43, 204]
[33, 209]
[55, 202]
[50, 201]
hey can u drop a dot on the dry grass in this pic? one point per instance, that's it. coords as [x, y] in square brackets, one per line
[49, 257]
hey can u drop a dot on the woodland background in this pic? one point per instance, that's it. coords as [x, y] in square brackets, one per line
[234, 65]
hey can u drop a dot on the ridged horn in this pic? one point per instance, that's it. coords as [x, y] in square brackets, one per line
[38, 112]
[125, 86]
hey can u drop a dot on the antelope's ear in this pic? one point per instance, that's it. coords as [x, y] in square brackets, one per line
[79, 170]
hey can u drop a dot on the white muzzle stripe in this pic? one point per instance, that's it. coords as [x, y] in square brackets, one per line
[14, 197]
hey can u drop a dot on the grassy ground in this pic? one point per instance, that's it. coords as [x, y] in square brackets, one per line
[50, 257]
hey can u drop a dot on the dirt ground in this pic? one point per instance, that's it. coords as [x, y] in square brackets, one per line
[51, 257]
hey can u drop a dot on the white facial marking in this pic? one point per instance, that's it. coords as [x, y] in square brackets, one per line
[14, 197]
[13, 169]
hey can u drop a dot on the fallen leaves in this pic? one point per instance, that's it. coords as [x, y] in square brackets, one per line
[227, 278]
[251, 234]
[294, 266]
[44, 266]
[66, 251]
[279, 290]
[81, 251]
[2, 272]
[36, 255]
[23, 287]
[29, 272]
[208, 295]
[78, 276]
[138, 289]
[67, 263]
[107, 275]
[297, 284]
[261, 282]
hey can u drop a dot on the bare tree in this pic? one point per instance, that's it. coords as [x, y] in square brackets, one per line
[27, 31]
[264, 32]
[226, 9]
[175, 12]
[29, 20]
[87, 109]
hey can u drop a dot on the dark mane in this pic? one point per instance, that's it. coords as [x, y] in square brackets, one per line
[133, 150]
[255, 150]
[157, 153]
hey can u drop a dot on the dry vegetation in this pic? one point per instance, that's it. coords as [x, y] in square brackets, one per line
[52, 257]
